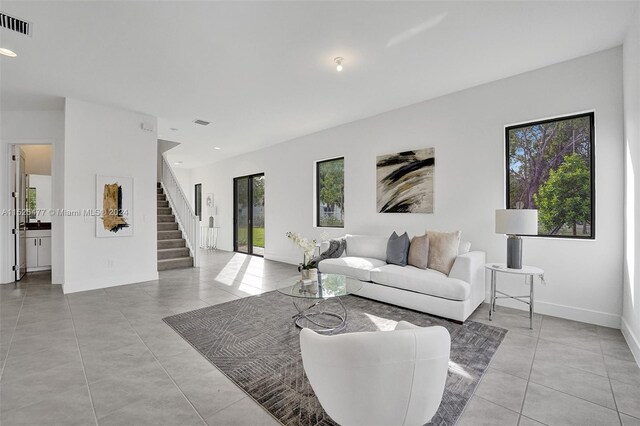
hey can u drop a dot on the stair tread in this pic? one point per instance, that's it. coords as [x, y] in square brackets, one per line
[187, 259]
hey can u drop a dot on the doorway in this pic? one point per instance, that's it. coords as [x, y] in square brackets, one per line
[31, 196]
[248, 214]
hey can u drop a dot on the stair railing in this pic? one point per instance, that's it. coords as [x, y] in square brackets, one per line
[186, 217]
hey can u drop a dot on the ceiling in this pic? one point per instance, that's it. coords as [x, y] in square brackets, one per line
[263, 72]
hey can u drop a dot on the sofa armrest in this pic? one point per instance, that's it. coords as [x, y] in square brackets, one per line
[405, 325]
[469, 267]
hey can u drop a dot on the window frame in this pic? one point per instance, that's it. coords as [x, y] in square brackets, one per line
[317, 197]
[592, 165]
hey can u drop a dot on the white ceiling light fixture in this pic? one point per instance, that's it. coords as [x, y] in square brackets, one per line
[338, 60]
[7, 52]
[177, 163]
[217, 148]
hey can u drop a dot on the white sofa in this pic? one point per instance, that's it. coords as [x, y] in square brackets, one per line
[454, 296]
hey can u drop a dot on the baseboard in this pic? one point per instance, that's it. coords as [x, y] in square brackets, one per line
[632, 340]
[105, 282]
[589, 316]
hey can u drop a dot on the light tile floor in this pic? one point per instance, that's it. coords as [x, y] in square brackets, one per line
[105, 357]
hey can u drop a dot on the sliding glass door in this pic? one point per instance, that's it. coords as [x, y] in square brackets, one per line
[248, 214]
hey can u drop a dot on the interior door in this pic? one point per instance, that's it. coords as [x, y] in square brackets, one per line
[248, 214]
[20, 204]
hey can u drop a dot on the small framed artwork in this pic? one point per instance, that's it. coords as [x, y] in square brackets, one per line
[114, 206]
[405, 181]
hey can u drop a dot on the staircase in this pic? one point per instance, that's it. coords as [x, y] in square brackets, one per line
[173, 252]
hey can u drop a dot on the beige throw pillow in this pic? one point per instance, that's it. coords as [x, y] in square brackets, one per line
[443, 250]
[419, 252]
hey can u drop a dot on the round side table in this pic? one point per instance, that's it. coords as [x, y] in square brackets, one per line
[527, 271]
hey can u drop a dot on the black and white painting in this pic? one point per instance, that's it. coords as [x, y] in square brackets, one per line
[405, 182]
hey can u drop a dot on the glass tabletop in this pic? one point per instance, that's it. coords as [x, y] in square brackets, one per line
[328, 285]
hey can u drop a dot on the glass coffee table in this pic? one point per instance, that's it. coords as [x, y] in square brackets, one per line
[318, 302]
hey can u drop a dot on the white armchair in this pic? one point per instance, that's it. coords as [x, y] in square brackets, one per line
[378, 378]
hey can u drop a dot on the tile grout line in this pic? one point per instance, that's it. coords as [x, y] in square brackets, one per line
[561, 391]
[84, 371]
[13, 333]
[613, 395]
[526, 389]
[162, 367]
[494, 403]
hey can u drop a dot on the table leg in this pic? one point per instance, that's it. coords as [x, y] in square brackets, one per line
[492, 299]
[531, 302]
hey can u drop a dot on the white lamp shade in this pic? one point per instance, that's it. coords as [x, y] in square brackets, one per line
[517, 221]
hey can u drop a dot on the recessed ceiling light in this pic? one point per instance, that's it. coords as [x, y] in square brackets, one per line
[202, 122]
[338, 62]
[7, 52]
[217, 148]
[177, 163]
[173, 129]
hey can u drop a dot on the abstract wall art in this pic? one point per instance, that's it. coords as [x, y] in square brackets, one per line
[405, 182]
[114, 206]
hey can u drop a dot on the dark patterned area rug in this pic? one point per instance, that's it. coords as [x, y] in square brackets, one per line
[254, 342]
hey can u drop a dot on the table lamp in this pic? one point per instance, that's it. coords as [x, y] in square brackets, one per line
[516, 222]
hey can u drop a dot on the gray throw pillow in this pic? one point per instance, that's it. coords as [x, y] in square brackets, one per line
[398, 249]
[335, 250]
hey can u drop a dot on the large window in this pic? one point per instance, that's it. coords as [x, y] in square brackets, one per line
[550, 167]
[330, 193]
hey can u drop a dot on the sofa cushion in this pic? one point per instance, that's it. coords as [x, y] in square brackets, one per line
[443, 250]
[464, 247]
[398, 249]
[425, 281]
[356, 267]
[367, 246]
[419, 252]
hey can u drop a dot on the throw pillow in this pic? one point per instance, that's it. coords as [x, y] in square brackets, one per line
[443, 250]
[465, 247]
[398, 249]
[335, 250]
[419, 252]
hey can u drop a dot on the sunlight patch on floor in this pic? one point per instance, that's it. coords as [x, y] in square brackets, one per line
[458, 370]
[382, 324]
[231, 270]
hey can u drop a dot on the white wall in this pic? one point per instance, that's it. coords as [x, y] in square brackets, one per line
[631, 297]
[163, 146]
[185, 180]
[108, 141]
[38, 159]
[467, 130]
[32, 127]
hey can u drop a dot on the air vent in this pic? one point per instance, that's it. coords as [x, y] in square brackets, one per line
[202, 122]
[15, 24]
